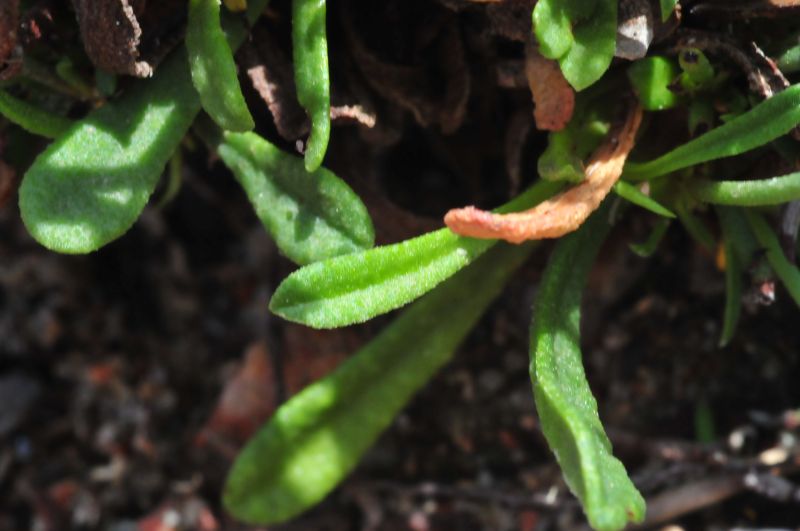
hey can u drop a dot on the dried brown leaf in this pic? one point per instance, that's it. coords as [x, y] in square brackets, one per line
[111, 35]
[553, 97]
[566, 211]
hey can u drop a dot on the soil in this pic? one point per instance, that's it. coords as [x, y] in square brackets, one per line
[130, 377]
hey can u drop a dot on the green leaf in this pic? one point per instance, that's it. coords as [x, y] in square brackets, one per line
[311, 216]
[667, 7]
[567, 409]
[637, 197]
[89, 186]
[562, 159]
[788, 273]
[213, 68]
[733, 273]
[355, 288]
[649, 246]
[695, 227]
[581, 35]
[319, 435]
[651, 78]
[763, 123]
[310, 51]
[31, 118]
[762, 192]
[552, 25]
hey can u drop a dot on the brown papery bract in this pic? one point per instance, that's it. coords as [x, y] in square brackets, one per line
[564, 212]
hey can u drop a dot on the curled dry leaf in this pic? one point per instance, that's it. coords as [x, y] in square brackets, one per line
[566, 211]
[553, 97]
[111, 35]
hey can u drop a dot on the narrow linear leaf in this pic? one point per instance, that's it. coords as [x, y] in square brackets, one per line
[763, 123]
[788, 273]
[213, 68]
[32, 118]
[761, 192]
[310, 51]
[733, 275]
[695, 227]
[318, 436]
[312, 216]
[89, 186]
[631, 193]
[355, 288]
[567, 409]
[649, 246]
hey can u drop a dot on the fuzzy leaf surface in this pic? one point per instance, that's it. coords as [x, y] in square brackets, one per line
[319, 435]
[567, 409]
[311, 216]
[354, 288]
[310, 52]
[763, 123]
[32, 118]
[90, 185]
[213, 68]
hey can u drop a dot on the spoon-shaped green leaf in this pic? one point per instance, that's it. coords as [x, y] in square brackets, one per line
[311, 215]
[90, 185]
[319, 435]
[213, 69]
[567, 409]
[354, 288]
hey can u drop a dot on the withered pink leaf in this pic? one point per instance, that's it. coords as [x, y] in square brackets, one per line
[566, 211]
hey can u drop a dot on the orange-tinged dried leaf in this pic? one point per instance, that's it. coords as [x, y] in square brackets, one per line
[553, 98]
[566, 211]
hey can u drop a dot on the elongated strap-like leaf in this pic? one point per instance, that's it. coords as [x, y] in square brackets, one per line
[31, 118]
[763, 123]
[354, 288]
[90, 185]
[567, 409]
[213, 68]
[758, 192]
[312, 216]
[310, 52]
[318, 436]
[630, 192]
